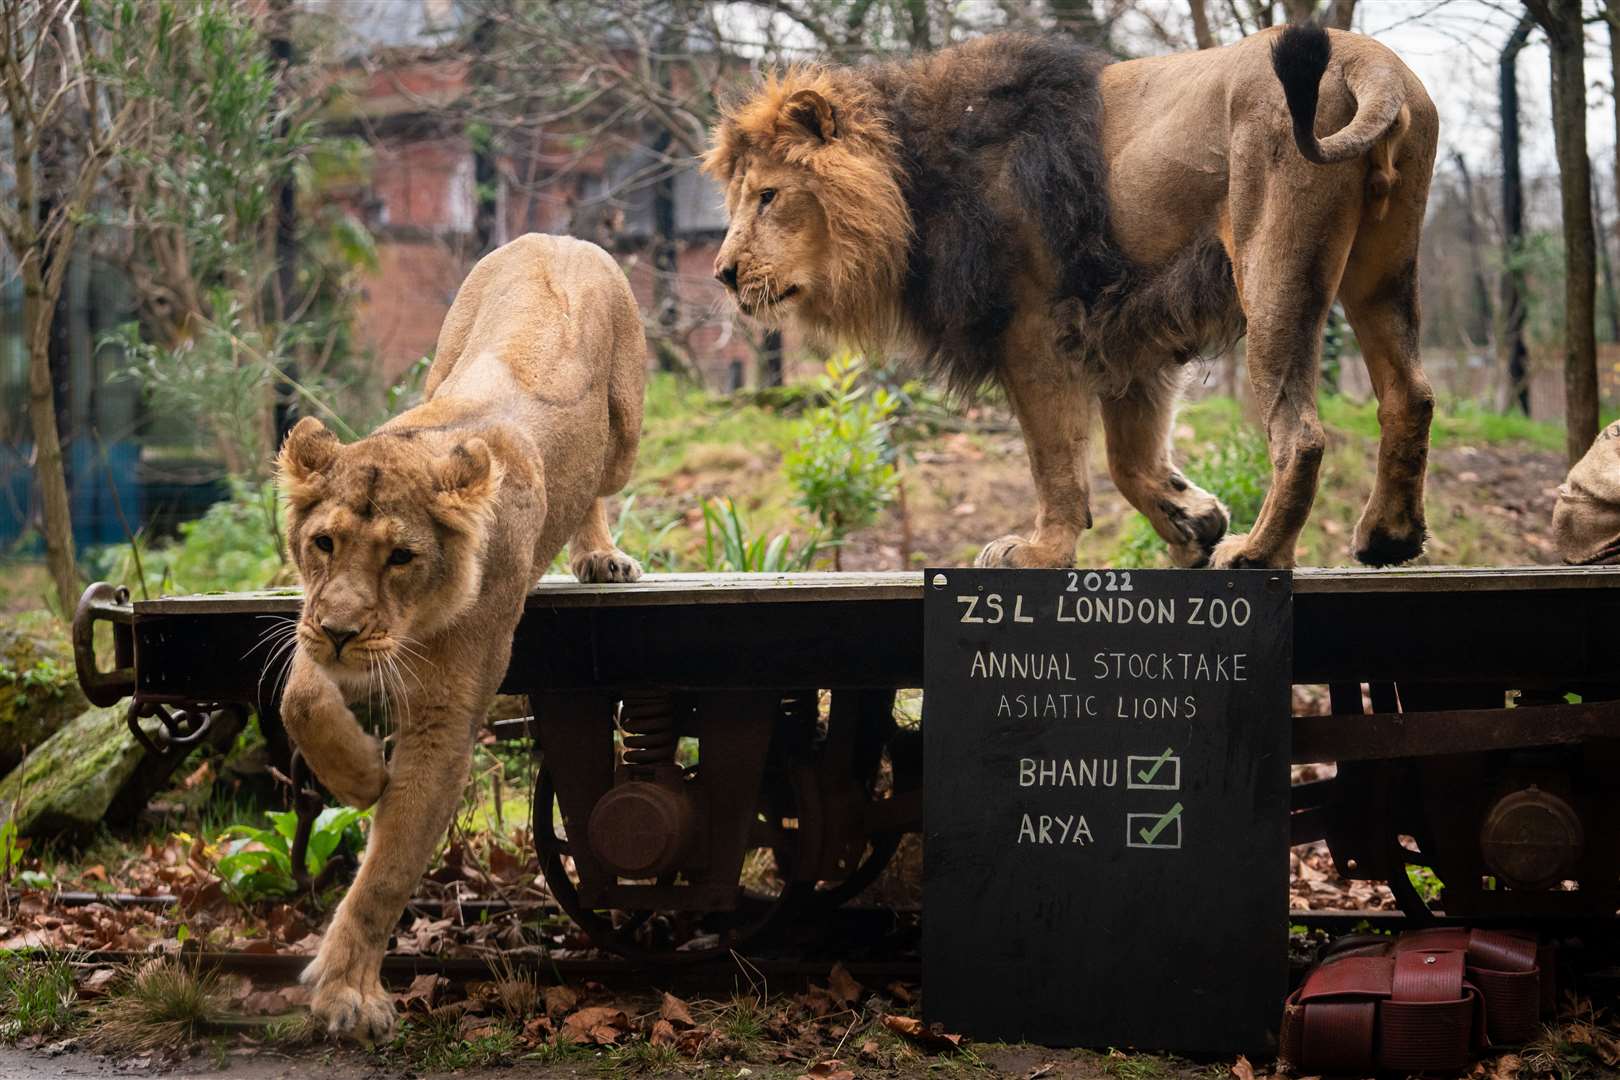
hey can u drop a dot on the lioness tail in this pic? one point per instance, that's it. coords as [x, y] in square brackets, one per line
[1299, 58]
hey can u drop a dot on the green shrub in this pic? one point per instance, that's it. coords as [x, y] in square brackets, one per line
[258, 863]
[233, 547]
[841, 461]
[728, 545]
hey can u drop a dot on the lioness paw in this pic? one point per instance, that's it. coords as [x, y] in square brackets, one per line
[1014, 552]
[349, 999]
[605, 567]
[362, 786]
[1233, 553]
[363, 1013]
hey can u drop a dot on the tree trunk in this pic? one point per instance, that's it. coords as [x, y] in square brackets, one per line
[1200, 20]
[1299, 11]
[770, 360]
[50, 477]
[1340, 14]
[285, 399]
[921, 41]
[1566, 34]
[1511, 310]
[1476, 263]
[1611, 300]
[1611, 13]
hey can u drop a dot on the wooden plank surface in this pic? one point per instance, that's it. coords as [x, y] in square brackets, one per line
[677, 589]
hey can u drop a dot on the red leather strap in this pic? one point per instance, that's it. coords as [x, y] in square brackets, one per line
[1360, 976]
[1502, 951]
[1339, 1036]
[1502, 964]
[1427, 1023]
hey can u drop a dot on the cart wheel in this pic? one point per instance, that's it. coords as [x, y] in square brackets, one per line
[628, 933]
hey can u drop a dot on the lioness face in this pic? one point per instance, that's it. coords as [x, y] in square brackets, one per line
[775, 252]
[387, 538]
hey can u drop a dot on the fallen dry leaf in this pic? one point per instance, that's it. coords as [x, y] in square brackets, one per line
[1241, 1069]
[1505, 1067]
[265, 1003]
[663, 1033]
[845, 990]
[827, 1070]
[601, 1024]
[818, 1002]
[96, 983]
[560, 1000]
[675, 1011]
[911, 1028]
[422, 991]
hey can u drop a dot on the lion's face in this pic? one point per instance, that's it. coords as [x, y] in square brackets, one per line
[774, 257]
[819, 228]
[388, 538]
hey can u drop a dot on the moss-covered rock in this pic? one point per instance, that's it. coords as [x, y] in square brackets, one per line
[64, 787]
[39, 690]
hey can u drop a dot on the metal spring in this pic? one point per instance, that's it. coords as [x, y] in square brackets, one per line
[648, 725]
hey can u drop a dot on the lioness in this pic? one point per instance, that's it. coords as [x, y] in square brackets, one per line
[417, 545]
[1018, 209]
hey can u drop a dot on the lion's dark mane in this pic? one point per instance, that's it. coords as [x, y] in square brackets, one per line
[1028, 108]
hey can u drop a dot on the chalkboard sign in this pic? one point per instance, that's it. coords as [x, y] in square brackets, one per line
[1106, 808]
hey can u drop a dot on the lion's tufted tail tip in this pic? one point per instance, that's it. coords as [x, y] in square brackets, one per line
[1299, 58]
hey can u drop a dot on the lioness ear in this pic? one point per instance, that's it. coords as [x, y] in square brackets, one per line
[467, 478]
[307, 452]
[812, 112]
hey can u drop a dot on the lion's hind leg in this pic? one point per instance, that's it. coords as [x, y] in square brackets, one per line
[1380, 297]
[1137, 429]
[592, 555]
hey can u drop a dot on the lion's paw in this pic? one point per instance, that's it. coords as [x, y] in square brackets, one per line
[1379, 545]
[365, 1014]
[1200, 524]
[1234, 553]
[605, 567]
[363, 788]
[349, 999]
[1014, 552]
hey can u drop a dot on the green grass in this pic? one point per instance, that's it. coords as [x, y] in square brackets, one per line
[640, 1056]
[36, 997]
[742, 1020]
[1456, 423]
[686, 426]
[1123, 1066]
[434, 1043]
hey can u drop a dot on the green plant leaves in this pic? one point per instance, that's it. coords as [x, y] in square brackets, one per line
[258, 863]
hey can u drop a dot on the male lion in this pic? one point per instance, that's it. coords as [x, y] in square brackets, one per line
[1017, 209]
[417, 545]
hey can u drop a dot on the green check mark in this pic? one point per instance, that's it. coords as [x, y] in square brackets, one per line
[1150, 835]
[1147, 775]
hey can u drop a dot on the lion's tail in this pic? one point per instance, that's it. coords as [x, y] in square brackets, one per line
[1300, 58]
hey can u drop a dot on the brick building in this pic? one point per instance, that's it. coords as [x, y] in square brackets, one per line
[431, 217]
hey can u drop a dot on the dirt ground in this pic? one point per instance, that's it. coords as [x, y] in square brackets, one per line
[1026, 1062]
